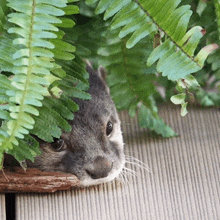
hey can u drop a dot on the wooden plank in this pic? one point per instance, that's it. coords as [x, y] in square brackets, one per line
[183, 182]
[33, 180]
[2, 207]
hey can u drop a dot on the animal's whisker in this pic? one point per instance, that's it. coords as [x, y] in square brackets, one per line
[126, 178]
[123, 178]
[120, 178]
[130, 174]
[139, 166]
[128, 157]
[130, 171]
[137, 163]
[134, 161]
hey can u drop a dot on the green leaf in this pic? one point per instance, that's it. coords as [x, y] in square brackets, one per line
[102, 6]
[26, 108]
[90, 2]
[204, 52]
[133, 109]
[64, 46]
[148, 120]
[178, 99]
[52, 130]
[62, 54]
[58, 106]
[28, 148]
[1, 156]
[46, 18]
[183, 109]
[71, 9]
[115, 7]
[66, 23]
[139, 34]
[57, 3]
[75, 92]
[191, 81]
[48, 9]
[4, 115]
[159, 52]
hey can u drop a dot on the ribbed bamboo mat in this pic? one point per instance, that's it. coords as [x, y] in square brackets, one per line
[2, 207]
[183, 182]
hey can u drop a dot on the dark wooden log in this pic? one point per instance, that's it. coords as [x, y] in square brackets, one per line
[34, 180]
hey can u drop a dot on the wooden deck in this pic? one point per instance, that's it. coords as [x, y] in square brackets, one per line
[2, 207]
[183, 182]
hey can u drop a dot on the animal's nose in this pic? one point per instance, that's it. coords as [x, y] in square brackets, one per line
[100, 168]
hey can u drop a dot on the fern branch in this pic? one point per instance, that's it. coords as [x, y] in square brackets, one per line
[141, 18]
[217, 11]
[30, 55]
[132, 85]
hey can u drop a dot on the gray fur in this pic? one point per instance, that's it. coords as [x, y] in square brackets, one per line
[88, 152]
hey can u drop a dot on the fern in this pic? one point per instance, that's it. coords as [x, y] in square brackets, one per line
[131, 82]
[118, 59]
[141, 18]
[35, 42]
[3, 9]
[217, 10]
[137, 19]
[208, 77]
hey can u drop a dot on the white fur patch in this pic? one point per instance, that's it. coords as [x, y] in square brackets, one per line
[116, 136]
[88, 181]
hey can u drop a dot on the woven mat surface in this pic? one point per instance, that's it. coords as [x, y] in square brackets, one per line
[183, 181]
[2, 207]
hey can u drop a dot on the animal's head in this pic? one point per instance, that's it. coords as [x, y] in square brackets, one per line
[93, 150]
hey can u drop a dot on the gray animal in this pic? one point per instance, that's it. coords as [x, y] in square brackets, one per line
[93, 150]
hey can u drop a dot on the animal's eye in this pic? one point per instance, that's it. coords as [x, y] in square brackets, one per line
[58, 144]
[109, 128]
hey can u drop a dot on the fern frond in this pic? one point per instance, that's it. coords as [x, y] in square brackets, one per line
[2, 14]
[215, 64]
[29, 52]
[48, 119]
[28, 148]
[148, 120]
[131, 83]
[56, 110]
[140, 18]
[217, 11]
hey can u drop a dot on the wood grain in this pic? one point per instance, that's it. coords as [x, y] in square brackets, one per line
[34, 180]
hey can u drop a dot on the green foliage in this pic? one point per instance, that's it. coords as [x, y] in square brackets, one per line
[141, 18]
[209, 77]
[128, 81]
[175, 49]
[142, 44]
[32, 98]
[183, 86]
[151, 121]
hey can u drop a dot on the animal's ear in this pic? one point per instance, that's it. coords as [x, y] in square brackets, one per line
[101, 70]
[89, 66]
[101, 73]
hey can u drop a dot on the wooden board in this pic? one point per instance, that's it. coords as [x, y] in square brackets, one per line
[2, 207]
[33, 180]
